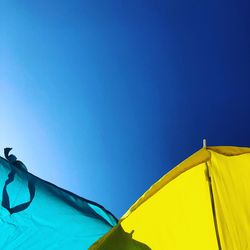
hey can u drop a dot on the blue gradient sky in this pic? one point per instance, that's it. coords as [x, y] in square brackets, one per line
[104, 97]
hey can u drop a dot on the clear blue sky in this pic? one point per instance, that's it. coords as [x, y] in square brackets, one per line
[104, 97]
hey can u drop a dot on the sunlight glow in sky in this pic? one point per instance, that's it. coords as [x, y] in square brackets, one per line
[104, 97]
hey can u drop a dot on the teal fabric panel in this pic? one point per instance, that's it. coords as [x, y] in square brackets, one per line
[35, 214]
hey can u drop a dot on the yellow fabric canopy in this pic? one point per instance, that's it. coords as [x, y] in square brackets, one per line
[203, 203]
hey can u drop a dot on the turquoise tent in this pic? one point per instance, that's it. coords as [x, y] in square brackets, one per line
[36, 214]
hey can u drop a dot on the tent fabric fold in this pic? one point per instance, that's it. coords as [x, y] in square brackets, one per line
[203, 203]
[37, 215]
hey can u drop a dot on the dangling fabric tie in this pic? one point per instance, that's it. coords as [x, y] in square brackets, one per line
[5, 196]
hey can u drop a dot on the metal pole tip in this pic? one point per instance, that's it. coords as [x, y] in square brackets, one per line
[204, 143]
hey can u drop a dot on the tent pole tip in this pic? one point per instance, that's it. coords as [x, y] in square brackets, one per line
[204, 143]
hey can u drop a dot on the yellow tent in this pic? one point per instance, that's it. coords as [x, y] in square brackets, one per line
[203, 203]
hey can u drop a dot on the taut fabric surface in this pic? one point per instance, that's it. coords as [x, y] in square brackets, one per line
[231, 188]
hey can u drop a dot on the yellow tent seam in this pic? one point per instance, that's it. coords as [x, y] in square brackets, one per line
[201, 156]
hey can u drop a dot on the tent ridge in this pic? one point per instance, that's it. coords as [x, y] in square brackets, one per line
[201, 156]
